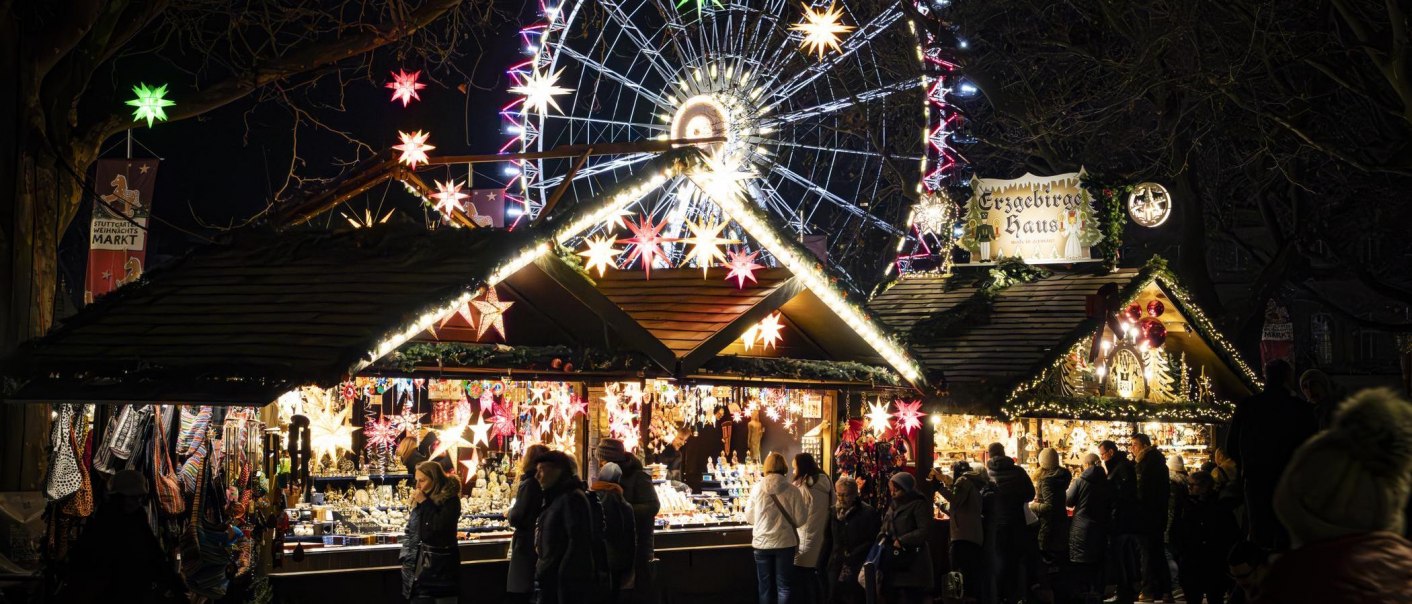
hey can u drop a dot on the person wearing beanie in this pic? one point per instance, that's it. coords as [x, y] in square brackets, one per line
[907, 577]
[853, 527]
[1342, 500]
[1050, 507]
[640, 494]
[619, 534]
[1091, 496]
[1178, 494]
[1013, 490]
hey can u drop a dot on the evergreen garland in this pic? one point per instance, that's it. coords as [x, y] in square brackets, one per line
[1117, 409]
[1111, 199]
[976, 309]
[802, 369]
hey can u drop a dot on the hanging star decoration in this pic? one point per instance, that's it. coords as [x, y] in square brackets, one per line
[909, 415]
[405, 86]
[414, 148]
[706, 242]
[150, 104]
[878, 417]
[600, 253]
[821, 29]
[480, 431]
[933, 214]
[539, 90]
[492, 312]
[329, 430]
[646, 242]
[451, 439]
[742, 266]
[472, 465]
[768, 332]
[379, 433]
[503, 424]
[614, 220]
[448, 197]
[463, 311]
[409, 421]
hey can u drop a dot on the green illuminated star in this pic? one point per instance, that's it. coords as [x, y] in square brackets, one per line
[149, 103]
[700, 4]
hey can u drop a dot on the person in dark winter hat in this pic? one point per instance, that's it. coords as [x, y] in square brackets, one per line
[1265, 431]
[565, 572]
[524, 511]
[1049, 506]
[620, 537]
[640, 494]
[1342, 499]
[1015, 490]
[1091, 496]
[907, 579]
[853, 526]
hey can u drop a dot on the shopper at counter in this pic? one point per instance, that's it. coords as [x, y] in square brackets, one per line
[907, 574]
[1091, 496]
[519, 582]
[430, 557]
[774, 512]
[1154, 493]
[639, 493]
[814, 487]
[1050, 507]
[564, 572]
[1123, 548]
[1014, 490]
[962, 502]
[620, 538]
[854, 528]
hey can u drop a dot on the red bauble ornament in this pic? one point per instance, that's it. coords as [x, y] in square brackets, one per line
[1155, 308]
[1154, 332]
[1133, 312]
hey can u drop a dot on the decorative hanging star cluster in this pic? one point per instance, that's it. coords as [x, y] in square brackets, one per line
[414, 148]
[821, 28]
[539, 90]
[646, 244]
[405, 86]
[600, 253]
[150, 104]
[909, 415]
[329, 430]
[706, 242]
[742, 267]
[492, 312]
[448, 197]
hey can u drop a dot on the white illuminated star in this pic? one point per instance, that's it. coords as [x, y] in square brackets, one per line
[492, 313]
[448, 197]
[821, 29]
[600, 253]
[706, 244]
[539, 90]
[480, 431]
[414, 148]
[878, 417]
[769, 330]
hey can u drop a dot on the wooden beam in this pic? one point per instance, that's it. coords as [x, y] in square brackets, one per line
[562, 188]
[712, 346]
[614, 317]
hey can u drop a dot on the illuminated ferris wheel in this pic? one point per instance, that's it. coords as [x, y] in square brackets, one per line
[823, 105]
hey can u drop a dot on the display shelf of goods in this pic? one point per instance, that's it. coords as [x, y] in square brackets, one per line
[725, 487]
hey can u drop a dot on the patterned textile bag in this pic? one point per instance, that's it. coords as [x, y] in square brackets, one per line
[81, 503]
[64, 477]
[204, 557]
[169, 499]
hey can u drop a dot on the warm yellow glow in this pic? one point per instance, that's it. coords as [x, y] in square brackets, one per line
[492, 313]
[706, 242]
[600, 253]
[480, 431]
[539, 91]
[878, 417]
[414, 148]
[448, 197]
[821, 29]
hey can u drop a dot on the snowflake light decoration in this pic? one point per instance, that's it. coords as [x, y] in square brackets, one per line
[934, 214]
[742, 267]
[909, 415]
[150, 104]
[539, 90]
[706, 242]
[405, 86]
[380, 433]
[492, 313]
[646, 242]
[600, 253]
[821, 29]
[414, 148]
[448, 197]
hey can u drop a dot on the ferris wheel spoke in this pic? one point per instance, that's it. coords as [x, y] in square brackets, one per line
[644, 46]
[840, 104]
[859, 152]
[851, 44]
[600, 121]
[676, 32]
[840, 202]
[615, 76]
[596, 169]
[774, 201]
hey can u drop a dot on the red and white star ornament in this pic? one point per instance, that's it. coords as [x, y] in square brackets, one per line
[405, 86]
[448, 197]
[646, 242]
[414, 148]
[492, 312]
[909, 415]
[380, 433]
[742, 267]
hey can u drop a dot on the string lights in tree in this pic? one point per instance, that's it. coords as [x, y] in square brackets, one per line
[405, 86]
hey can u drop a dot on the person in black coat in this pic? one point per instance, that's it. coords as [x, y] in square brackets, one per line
[1154, 494]
[642, 496]
[1049, 507]
[854, 528]
[519, 581]
[619, 536]
[430, 556]
[1265, 432]
[565, 570]
[1123, 544]
[906, 527]
[1014, 490]
[1207, 532]
[1091, 496]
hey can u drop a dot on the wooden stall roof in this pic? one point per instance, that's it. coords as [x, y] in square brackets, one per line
[683, 309]
[261, 314]
[1026, 323]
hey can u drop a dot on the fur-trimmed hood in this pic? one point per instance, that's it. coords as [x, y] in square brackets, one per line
[449, 489]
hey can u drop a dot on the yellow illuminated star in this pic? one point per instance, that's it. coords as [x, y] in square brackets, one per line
[492, 313]
[600, 253]
[414, 148]
[539, 90]
[821, 28]
[706, 244]
[769, 330]
[480, 431]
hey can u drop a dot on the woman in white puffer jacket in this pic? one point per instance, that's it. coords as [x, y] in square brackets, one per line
[817, 490]
[775, 511]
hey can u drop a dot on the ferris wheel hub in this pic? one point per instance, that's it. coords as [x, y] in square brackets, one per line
[703, 116]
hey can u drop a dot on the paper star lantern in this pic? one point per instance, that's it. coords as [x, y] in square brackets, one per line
[451, 439]
[408, 421]
[614, 220]
[463, 311]
[909, 415]
[503, 425]
[600, 253]
[742, 267]
[329, 431]
[646, 242]
[480, 431]
[150, 104]
[706, 242]
[539, 90]
[768, 331]
[448, 197]
[405, 86]
[379, 433]
[821, 29]
[471, 465]
[934, 214]
[414, 148]
[878, 417]
[492, 313]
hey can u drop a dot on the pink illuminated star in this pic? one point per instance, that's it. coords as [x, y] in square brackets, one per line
[742, 267]
[405, 86]
[646, 242]
[909, 415]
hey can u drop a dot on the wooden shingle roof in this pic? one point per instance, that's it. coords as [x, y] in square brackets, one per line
[680, 308]
[265, 312]
[1025, 323]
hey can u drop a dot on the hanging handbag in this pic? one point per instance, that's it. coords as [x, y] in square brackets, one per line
[80, 504]
[169, 499]
[64, 478]
[204, 557]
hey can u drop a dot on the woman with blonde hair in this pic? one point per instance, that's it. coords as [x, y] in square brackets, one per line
[430, 557]
[524, 510]
[775, 511]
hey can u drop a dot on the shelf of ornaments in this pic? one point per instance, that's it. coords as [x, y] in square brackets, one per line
[725, 486]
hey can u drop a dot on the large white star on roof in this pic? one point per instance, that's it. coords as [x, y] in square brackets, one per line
[600, 253]
[706, 242]
[448, 197]
[492, 313]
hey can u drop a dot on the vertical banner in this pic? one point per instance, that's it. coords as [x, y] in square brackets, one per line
[487, 208]
[117, 238]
